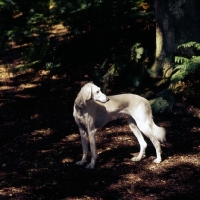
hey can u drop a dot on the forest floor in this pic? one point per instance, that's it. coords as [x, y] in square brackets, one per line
[40, 144]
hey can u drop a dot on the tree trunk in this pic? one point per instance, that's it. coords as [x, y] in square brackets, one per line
[177, 22]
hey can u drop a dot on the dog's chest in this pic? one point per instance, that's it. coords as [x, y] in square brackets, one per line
[80, 117]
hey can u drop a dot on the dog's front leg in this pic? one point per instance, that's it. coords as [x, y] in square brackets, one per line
[84, 146]
[93, 149]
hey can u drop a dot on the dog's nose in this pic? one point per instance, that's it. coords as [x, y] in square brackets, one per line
[107, 99]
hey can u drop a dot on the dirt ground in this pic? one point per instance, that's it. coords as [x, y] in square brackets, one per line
[40, 144]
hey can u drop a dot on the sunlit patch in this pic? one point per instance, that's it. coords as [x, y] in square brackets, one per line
[46, 151]
[128, 179]
[44, 72]
[28, 85]
[42, 132]
[5, 87]
[12, 191]
[133, 177]
[66, 160]
[58, 29]
[71, 137]
[54, 77]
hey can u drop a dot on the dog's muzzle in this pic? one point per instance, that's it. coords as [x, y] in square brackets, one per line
[102, 101]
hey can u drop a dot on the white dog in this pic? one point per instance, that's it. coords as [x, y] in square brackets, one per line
[93, 109]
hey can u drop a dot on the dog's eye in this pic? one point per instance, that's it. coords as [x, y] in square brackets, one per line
[97, 92]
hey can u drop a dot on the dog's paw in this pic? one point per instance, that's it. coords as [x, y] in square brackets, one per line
[81, 162]
[157, 160]
[90, 166]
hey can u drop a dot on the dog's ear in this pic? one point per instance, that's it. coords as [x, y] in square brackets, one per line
[79, 101]
[86, 92]
[83, 96]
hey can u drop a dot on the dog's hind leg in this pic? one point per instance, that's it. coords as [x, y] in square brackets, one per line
[156, 144]
[84, 146]
[146, 128]
[140, 139]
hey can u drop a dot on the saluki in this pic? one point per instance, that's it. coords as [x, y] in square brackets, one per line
[93, 109]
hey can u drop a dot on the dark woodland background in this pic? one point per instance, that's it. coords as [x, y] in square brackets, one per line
[48, 50]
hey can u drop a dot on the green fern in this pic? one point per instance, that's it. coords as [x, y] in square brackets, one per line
[159, 105]
[164, 100]
[168, 95]
[197, 46]
[186, 66]
[180, 59]
[188, 44]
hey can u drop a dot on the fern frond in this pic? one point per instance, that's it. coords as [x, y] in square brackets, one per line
[104, 64]
[188, 44]
[180, 59]
[196, 59]
[180, 67]
[197, 46]
[179, 75]
[193, 65]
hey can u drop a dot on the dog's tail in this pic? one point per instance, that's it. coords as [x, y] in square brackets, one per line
[159, 133]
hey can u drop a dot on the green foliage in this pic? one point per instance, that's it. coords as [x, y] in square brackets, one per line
[126, 66]
[51, 66]
[19, 68]
[168, 95]
[184, 81]
[196, 45]
[159, 105]
[179, 59]
[22, 20]
[164, 100]
[186, 67]
[28, 26]
[136, 52]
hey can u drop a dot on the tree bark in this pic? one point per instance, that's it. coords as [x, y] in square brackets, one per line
[177, 22]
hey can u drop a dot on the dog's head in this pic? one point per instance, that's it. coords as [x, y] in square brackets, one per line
[90, 91]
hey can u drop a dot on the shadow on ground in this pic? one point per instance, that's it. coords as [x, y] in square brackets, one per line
[40, 144]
